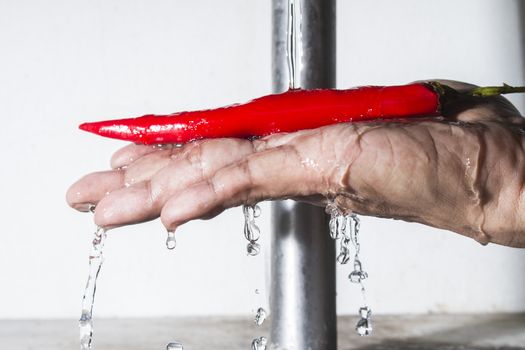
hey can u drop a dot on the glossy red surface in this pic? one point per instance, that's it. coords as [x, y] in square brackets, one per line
[286, 112]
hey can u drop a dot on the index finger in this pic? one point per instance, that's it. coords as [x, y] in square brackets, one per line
[130, 153]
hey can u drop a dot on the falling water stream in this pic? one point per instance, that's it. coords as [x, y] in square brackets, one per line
[343, 227]
[96, 258]
[251, 230]
[252, 234]
[171, 242]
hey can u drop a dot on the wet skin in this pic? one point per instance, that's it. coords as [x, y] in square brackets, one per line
[464, 172]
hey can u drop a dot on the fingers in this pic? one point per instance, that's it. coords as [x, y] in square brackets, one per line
[126, 206]
[271, 174]
[133, 164]
[91, 188]
[144, 200]
[130, 153]
[145, 167]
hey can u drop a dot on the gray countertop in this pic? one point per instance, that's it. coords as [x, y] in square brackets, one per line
[435, 331]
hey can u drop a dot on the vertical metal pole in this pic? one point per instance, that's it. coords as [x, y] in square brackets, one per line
[303, 255]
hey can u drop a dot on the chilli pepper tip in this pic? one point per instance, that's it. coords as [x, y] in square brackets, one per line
[117, 129]
[87, 127]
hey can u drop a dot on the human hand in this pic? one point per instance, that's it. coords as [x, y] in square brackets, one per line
[463, 173]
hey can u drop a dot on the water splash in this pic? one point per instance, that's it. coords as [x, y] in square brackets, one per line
[171, 242]
[174, 346]
[96, 258]
[364, 325]
[259, 343]
[251, 231]
[260, 316]
[345, 228]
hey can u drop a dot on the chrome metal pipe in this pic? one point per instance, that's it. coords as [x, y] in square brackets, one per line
[302, 295]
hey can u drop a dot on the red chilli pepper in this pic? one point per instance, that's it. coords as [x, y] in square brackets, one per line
[288, 112]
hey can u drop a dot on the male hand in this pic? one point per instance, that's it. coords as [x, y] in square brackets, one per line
[464, 172]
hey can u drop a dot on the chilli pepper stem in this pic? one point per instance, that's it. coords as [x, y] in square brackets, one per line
[481, 91]
[487, 91]
[448, 94]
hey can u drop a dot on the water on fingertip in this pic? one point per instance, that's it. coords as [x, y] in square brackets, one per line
[251, 230]
[171, 242]
[252, 233]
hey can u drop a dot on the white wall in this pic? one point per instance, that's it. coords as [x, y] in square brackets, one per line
[64, 62]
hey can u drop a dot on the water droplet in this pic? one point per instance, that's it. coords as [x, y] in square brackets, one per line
[251, 231]
[257, 291]
[357, 276]
[334, 212]
[341, 225]
[344, 256]
[345, 228]
[253, 248]
[333, 228]
[247, 210]
[364, 325]
[365, 312]
[174, 346]
[97, 243]
[259, 343]
[260, 316]
[171, 243]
